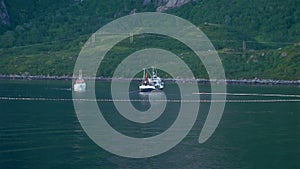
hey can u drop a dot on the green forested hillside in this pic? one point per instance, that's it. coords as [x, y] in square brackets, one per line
[254, 38]
[263, 20]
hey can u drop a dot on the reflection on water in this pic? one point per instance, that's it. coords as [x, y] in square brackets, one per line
[154, 96]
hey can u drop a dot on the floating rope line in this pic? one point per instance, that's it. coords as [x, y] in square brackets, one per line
[145, 100]
[251, 94]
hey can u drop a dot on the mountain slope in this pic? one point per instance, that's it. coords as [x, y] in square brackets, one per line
[42, 37]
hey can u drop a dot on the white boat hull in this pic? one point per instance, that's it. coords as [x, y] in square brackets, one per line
[149, 88]
[146, 88]
[79, 87]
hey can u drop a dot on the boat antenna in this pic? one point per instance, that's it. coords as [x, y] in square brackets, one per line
[154, 69]
[144, 71]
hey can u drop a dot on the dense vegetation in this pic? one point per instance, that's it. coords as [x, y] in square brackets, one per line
[253, 38]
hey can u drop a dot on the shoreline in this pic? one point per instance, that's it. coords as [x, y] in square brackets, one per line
[170, 80]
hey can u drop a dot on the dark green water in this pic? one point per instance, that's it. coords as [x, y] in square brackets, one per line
[38, 134]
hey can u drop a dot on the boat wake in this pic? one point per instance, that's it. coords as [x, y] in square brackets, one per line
[62, 89]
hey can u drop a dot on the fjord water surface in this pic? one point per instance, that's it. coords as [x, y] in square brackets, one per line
[46, 133]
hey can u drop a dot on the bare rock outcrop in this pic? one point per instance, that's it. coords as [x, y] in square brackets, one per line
[4, 17]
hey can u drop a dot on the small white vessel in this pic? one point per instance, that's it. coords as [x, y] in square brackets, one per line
[152, 83]
[79, 85]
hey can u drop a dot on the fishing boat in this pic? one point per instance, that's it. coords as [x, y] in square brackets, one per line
[151, 83]
[79, 85]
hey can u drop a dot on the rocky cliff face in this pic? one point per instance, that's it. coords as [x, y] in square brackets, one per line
[4, 17]
[163, 5]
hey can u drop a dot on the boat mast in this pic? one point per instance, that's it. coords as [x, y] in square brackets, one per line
[80, 74]
[144, 72]
[147, 81]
